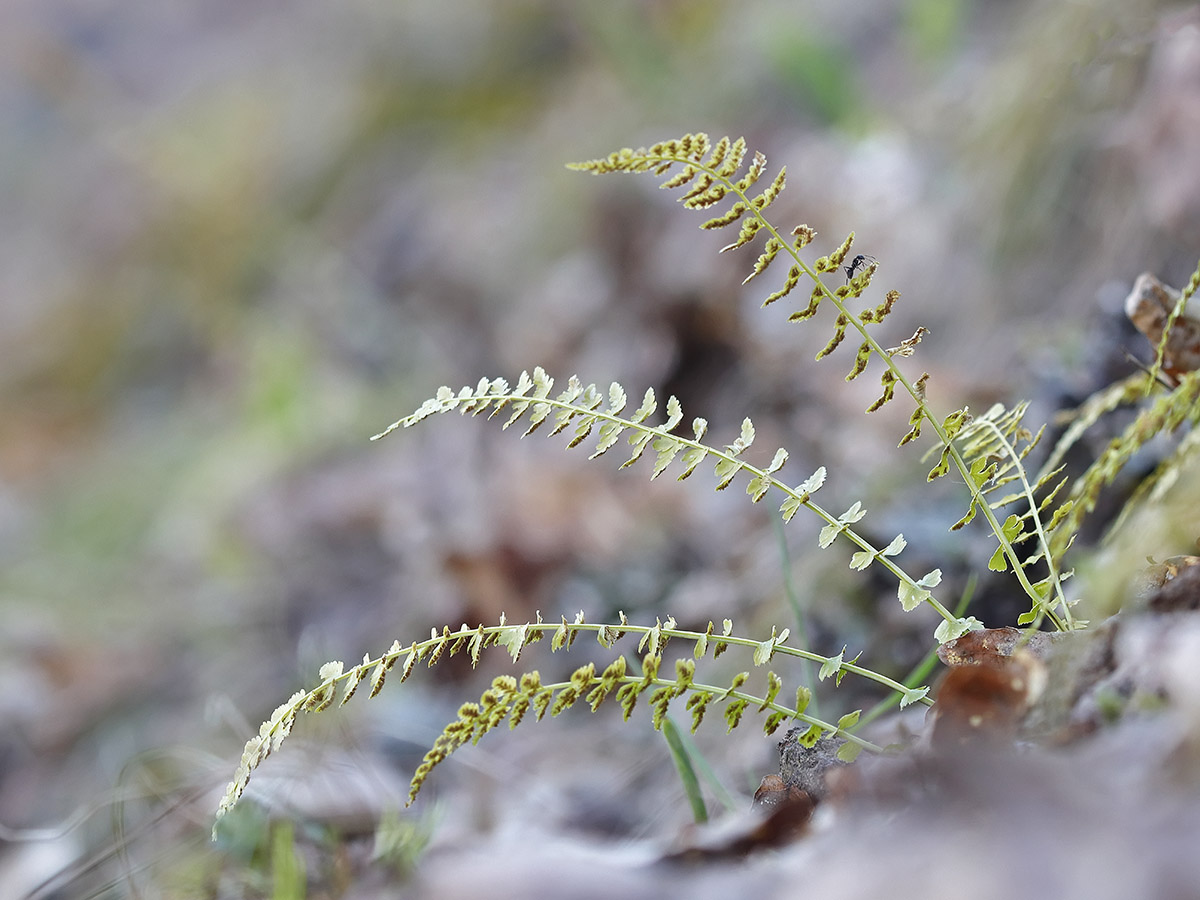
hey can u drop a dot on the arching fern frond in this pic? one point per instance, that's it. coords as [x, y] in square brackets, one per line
[582, 410]
[1126, 392]
[995, 446]
[988, 453]
[1163, 349]
[1169, 411]
[511, 698]
[1163, 315]
[711, 181]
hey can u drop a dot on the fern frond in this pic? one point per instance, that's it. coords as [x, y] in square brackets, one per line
[1154, 488]
[994, 447]
[1125, 392]
[749, 211]
[711, 180]
[583, 408]
[1169, 411]
[1164, 343]
[511, 698]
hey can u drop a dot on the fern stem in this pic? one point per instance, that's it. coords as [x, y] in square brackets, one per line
[779, 648]
[1181, 304]
[789, 590]
[922, 669]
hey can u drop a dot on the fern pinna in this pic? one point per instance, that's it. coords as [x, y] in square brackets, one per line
[986, 451]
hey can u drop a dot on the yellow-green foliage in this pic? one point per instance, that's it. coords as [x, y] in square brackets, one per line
[510, 698]
[1168, 412]
[987, 453]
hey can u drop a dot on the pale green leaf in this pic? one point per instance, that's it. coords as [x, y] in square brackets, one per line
[853, 514]
[955, 628]
[809, 738]
[562, 418]
[831, 665]
[649, 404]
[616, 398]
[513, 638]
[803, 696]
[828, 535]
[803, 492]
[758, 487]
[537, 417]
[830, 532]
[573, 390]
[849, 720]
[849, 751]
[609, 433]
[331, 670]
[913, 595]
[725, 470]
[674, 413]
[518, 410]
[789, 507]
[999, 561]
[475, 646]
[640, 441]
[542, 383]
[747, 436]
[861, 560]
[691, 458]
[813, 483]
[666, 449]
[764, 651]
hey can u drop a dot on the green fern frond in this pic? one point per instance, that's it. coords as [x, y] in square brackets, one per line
[511, 698]
[1128, 391]
[1155, 487]
[1040, 515]
[1166, 414]
[1177, 310]
[583, 409]
[714, 180]
[994, 447]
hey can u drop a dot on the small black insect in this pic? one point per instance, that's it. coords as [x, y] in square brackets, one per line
[858, 264]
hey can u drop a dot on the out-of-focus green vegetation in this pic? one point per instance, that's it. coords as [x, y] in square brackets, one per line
[237, 239]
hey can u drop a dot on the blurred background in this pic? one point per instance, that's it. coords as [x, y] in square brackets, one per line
[239, 238]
